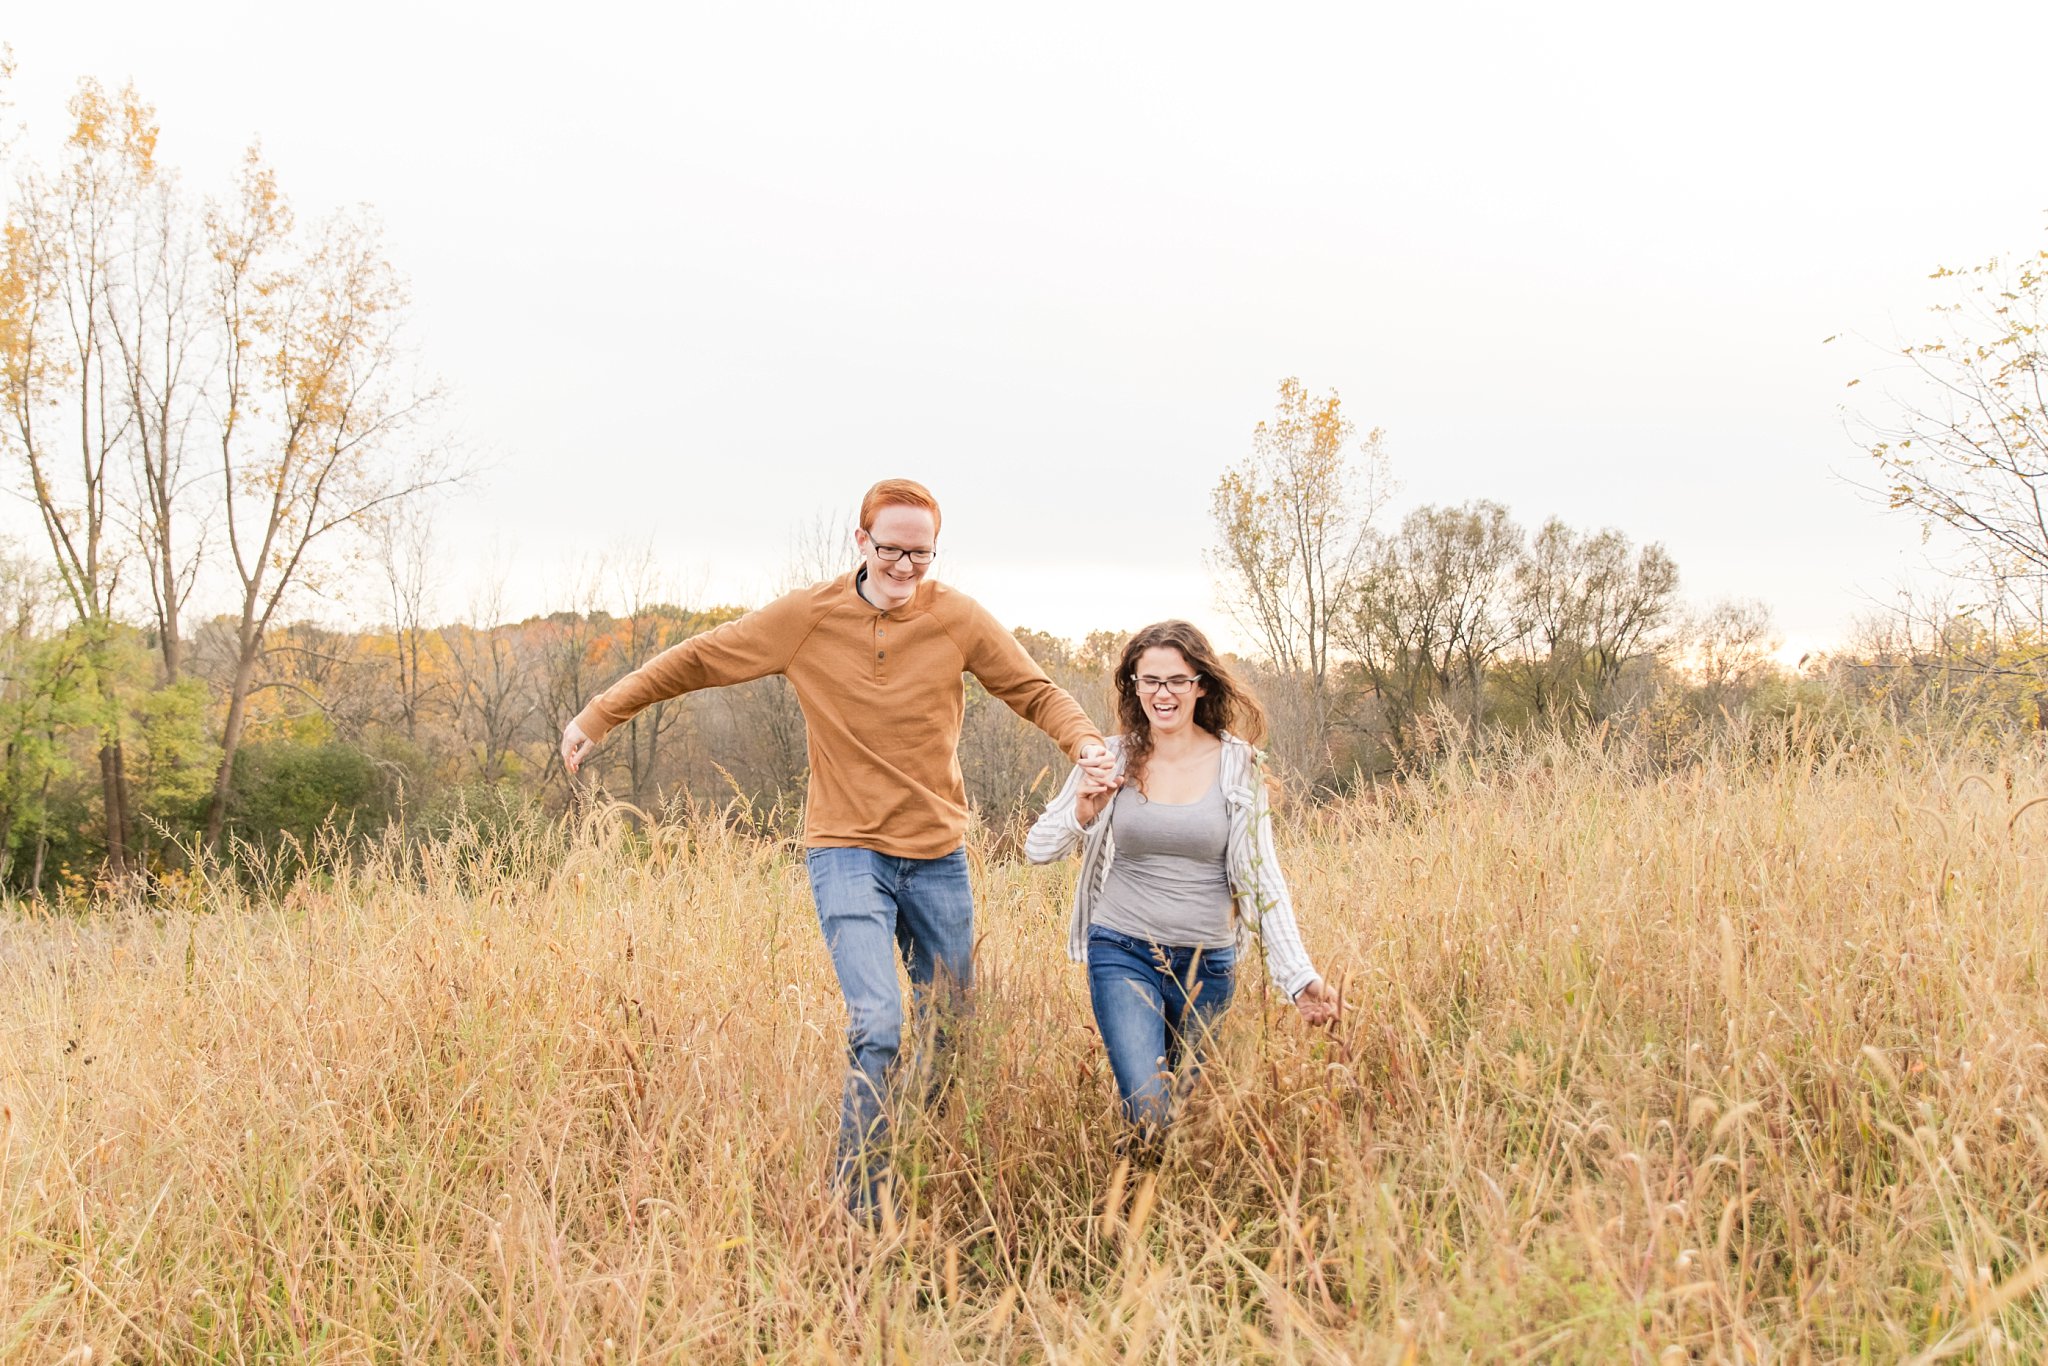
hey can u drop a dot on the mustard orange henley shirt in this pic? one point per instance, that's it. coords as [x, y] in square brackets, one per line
[882, 702]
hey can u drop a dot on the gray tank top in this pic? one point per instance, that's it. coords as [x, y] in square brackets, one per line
[1169, 883]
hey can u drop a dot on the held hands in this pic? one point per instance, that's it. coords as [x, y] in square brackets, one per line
[1097, 762]
[1318, 1003]
[576, 747]
[1099, 782]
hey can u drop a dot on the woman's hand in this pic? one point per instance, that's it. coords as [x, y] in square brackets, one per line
[1092, 797]
[1318, 1002]
[1096, 760]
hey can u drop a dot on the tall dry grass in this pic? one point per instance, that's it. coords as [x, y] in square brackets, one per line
[1745, 1061]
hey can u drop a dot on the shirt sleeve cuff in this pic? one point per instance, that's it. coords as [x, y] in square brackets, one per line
[592, 724]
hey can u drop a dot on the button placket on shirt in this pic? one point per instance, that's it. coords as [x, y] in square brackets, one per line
[881, 652]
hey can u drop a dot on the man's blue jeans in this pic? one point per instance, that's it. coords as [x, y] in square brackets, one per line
[1156, 1005]
[873, 907]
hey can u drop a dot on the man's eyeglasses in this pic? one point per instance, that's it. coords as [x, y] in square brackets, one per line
[1179, 685]
[889, 554]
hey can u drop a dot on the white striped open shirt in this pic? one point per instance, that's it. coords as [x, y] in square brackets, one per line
[1264, 910]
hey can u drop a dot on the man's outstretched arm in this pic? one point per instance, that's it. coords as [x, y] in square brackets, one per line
[994, 656]
[758, 644]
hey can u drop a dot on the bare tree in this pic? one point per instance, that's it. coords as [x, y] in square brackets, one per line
[1964, 445]
[1732, 647]
[161, 356]
[651, 623]
[820, 549]
[404, 539]
[311, 669]
[1435, 607]
[493, 682]
[1591, 604]
[1629, 597]
[571, 672]
[1930, 650]
[320, 428]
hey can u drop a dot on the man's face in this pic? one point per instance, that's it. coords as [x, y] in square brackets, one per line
[897, 530]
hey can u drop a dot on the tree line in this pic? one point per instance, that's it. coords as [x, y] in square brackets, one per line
[1381, 640]
[208, 401]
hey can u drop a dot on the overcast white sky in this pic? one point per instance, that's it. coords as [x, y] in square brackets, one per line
[694, 275]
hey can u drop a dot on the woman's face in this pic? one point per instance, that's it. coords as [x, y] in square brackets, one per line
[1159, 672]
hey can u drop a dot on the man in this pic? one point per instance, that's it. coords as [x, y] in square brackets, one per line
[876, 657]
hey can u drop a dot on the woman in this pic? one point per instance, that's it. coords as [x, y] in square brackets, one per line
[1163, 907]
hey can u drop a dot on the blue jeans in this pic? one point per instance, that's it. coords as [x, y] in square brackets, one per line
[1156, 1005]
[873, 907]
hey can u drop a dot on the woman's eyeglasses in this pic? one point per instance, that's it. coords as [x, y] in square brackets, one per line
[1179, 685]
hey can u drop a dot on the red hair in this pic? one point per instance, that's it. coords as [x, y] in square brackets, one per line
[894, 493]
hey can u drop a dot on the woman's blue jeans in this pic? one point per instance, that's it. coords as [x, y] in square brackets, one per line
[1156, 1005]
[872, 908]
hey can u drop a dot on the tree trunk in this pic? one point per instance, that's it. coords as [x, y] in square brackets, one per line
[173, 648]
[636, 774]
[14, 804]
[113, 790]
[409, 684]
[35, 882]
[230, 742]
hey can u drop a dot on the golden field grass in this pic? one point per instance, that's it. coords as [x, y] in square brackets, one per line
[1741, 1062]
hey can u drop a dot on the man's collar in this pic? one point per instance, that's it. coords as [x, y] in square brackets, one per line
[860, 576]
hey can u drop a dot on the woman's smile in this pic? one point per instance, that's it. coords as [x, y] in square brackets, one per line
[1168, 686]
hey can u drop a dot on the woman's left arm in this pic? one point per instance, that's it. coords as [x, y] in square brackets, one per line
[1287, 959]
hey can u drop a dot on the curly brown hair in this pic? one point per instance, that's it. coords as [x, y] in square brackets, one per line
[1225, 703]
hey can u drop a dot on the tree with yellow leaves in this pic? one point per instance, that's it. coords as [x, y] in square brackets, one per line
[322, 425]
[68, 415]
[1293, 521]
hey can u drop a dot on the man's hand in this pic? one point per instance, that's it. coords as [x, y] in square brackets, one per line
[1318, 1002]
[576, 747]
